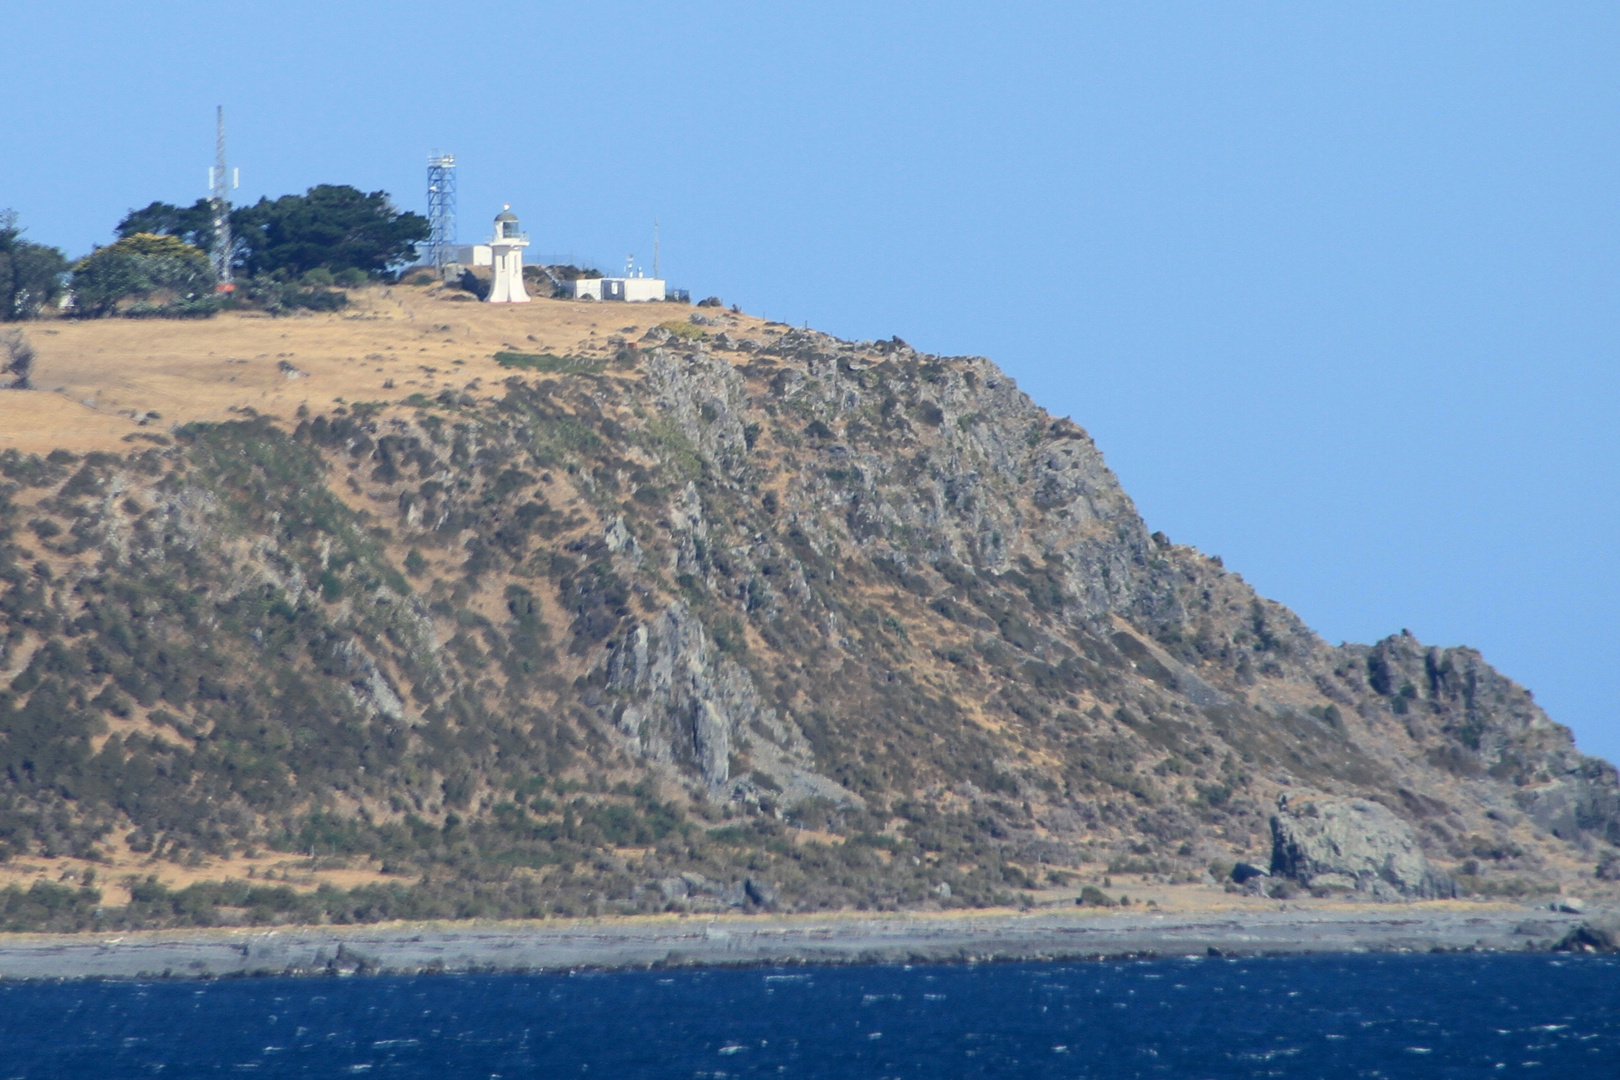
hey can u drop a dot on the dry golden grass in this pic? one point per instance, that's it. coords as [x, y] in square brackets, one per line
[120, 864]
[95, 380]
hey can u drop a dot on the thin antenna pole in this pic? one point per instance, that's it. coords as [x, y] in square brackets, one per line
[220, 177]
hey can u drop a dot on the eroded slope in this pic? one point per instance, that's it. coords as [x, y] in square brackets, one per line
[773, 620]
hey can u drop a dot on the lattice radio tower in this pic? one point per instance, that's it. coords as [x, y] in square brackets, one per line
[441, 209]
[221, 180]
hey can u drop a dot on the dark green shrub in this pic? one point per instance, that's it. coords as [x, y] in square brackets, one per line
[1091, 896]
[547, 362]
[156, 273]
[276, 296]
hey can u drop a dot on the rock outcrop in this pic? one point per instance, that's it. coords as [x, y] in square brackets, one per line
[1352, 845]
[1600, 934]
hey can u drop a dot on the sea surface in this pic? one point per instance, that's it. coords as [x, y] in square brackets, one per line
[1334, 1016]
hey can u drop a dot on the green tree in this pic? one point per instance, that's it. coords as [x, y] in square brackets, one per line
[194, 224]
[144, 267]
[30, 274]
[334, 226]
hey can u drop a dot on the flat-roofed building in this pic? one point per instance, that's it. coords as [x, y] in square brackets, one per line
[627, 289]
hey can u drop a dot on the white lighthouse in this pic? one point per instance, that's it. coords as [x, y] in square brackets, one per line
[506, 256]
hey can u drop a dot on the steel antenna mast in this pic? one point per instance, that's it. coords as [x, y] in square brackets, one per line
[220, 180]
[441, 209]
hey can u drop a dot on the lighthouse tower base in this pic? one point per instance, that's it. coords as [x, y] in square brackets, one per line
[508, 265]
[506, 259]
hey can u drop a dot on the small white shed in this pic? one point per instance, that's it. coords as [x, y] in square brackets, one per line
[633, 289]
[628, 289]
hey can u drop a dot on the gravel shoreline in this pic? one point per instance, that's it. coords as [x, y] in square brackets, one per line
[403, 948]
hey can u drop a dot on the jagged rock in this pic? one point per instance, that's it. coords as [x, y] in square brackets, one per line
[1600, 935]
[1243, 873]
[1326, 842]
[1472, 721]
[691, 701]
[347, 961]
[758, 892]
[1582, 799]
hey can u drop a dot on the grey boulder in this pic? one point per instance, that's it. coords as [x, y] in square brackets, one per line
[1352, 845]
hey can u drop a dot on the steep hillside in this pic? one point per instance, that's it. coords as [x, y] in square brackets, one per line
[703, 616]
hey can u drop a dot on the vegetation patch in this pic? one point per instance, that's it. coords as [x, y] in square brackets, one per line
[549, 363]
[685, 331]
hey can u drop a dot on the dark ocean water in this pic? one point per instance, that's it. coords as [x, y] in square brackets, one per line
[1361, 1016]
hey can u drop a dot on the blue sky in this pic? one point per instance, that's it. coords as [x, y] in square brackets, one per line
[1334, 286]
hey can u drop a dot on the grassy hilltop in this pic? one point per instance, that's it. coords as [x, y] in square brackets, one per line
[432, 608]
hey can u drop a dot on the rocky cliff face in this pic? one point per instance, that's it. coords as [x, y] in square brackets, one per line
[847, 622]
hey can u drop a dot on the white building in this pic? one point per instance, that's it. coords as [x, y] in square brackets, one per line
[506, 257]
[631, 289]
[472, 255]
